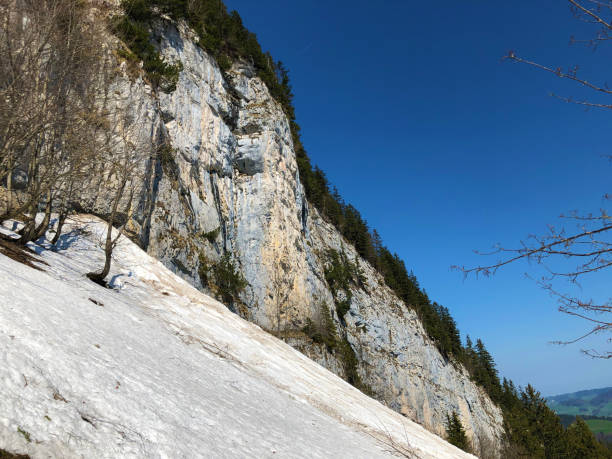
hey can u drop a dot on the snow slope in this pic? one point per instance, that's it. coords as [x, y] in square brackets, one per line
[155, 368]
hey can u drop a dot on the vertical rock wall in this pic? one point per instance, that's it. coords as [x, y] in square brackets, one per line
[230, 182]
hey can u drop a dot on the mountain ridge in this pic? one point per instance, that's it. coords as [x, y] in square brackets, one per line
[593, 402]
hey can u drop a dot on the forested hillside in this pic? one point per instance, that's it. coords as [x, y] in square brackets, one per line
[594, 402]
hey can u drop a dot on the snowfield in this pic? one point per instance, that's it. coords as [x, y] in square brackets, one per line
[154, 368]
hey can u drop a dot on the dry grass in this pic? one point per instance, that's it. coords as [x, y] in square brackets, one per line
[6, 455]
[18, 253]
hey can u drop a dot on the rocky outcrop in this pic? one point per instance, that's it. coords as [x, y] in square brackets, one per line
[228, 181]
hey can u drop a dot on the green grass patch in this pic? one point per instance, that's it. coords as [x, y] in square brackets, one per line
[603, 426]
[593, 402]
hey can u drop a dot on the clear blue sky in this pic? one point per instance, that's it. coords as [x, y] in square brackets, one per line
[444, 148]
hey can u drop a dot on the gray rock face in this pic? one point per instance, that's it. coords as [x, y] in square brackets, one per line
[232, 183]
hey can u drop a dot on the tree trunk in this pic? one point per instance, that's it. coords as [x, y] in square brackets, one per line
[44, 225]
[108, 252]
[29, 226]
[63, 213]
[109, 243]
[30, 231]
[278, 316]
[58, 229]
[9, 189]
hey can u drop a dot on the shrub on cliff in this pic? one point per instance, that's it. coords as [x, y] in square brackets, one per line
[133, 29]
[321, 329]
[222, 276]
[340, 274]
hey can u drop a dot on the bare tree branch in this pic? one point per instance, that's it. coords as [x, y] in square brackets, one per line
[590, 246]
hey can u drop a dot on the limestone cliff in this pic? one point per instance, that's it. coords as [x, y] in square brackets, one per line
[230, 182]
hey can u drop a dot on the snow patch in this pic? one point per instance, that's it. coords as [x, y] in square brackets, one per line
[154, 368]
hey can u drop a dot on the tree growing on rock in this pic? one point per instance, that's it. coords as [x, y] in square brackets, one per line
[455, 433]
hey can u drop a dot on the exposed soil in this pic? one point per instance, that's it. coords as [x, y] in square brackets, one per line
[21, 254]
[6, 455]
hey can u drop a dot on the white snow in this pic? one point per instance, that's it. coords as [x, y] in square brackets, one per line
[158, 369]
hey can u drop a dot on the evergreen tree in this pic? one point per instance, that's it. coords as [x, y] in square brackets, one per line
[377, 245]
[451, 333]
[319, 189]
[532, 429]
[455, 433]
[545, 423]
[582, 443]
[335, 208]
[486, 371]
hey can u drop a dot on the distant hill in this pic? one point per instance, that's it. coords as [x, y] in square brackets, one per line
[594, 402]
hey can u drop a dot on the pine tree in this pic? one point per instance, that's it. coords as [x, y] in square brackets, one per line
[377, 244]
[335, 208]
[486, 373]
[455, 433]
[544, 424]
[450, 331]
[582, 443]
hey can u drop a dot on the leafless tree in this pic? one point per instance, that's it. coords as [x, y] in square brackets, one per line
[588, 241]
[59, 120]
[87, 142]
[51, 64]
[485, 447]
[125, 149]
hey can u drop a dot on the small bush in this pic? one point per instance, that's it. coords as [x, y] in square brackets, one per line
[211, 236]
[343, 306]
[322, 330]
[222, 276]
[224, 62]
[340, 273]
[228, 278]
[350, 362]
[133, 29]
[203, 269]
[165, 154]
